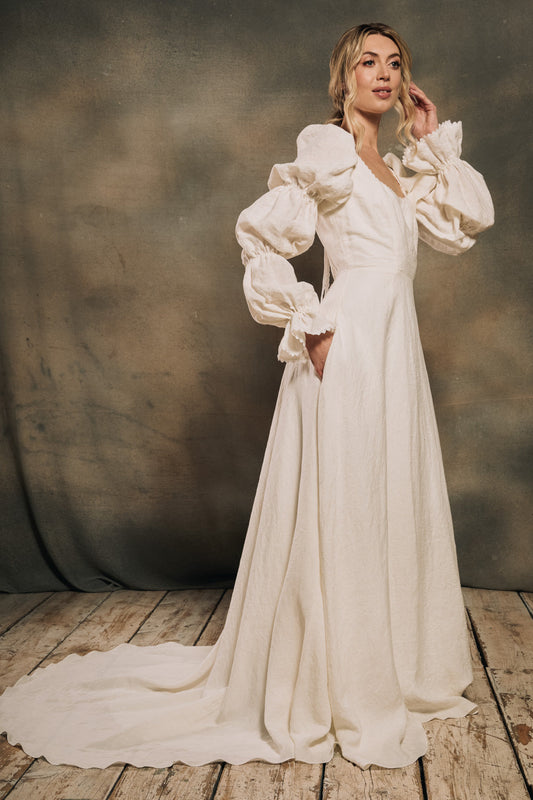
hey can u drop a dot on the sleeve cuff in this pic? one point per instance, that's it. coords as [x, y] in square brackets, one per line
[434, 151]
[308, 320]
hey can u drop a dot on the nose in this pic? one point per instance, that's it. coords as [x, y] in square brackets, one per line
[384, 74]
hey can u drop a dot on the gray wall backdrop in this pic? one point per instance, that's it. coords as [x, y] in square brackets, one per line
[137, 392]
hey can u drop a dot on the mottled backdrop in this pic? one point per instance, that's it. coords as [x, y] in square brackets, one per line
[137, 392]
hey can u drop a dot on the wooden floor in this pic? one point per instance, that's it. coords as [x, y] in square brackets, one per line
[488, 756]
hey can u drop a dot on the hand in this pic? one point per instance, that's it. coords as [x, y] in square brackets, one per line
[425, 112]
[318, 348]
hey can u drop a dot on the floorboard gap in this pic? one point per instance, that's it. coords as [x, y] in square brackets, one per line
[112, 789]
[524, 601]
[477, 639]
[320, 795]
[219, 778]
[32, 762]
[16, 622]
[210, 617]
[423, 779]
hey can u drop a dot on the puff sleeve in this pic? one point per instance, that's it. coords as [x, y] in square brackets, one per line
[281, 224]
[452, 201]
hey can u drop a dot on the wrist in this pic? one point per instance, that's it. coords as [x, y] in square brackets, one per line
[315, 338]
[429, 129]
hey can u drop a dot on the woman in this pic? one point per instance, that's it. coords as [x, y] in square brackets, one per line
[346, 624]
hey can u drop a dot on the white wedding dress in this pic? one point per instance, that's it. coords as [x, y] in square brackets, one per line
[347, 623]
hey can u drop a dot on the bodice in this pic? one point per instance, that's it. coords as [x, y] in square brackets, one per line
[375, 228]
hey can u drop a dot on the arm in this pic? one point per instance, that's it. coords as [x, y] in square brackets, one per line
[281, 224]
[453, 203]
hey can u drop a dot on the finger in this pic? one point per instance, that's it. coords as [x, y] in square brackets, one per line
[414, 88]
[415, 96]
[418, 94]
[421, 97]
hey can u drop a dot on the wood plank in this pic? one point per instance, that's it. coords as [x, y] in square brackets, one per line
[13, 764]
[514, 692]
[180, 617]
[471, 758]
[114, 621]
[216, 623]
[44, 781]
[345, 781]
[187, 783]
[141, 782]
[503, 627]
[480, 738]
[258, 780]
[13, 607]
[28, 642]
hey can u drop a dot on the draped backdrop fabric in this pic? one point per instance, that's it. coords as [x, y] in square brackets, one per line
[136, 391]
[347, 624]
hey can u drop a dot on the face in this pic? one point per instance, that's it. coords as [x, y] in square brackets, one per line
[378, 75]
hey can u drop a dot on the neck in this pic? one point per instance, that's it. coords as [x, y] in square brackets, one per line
[371, 126]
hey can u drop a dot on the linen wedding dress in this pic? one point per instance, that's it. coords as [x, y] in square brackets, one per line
[347, 623]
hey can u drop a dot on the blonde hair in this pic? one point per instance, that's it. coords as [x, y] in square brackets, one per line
[346, 55]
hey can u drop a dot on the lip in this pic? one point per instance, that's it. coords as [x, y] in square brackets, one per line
[383, 91]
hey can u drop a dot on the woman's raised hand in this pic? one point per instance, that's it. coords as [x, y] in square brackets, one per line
[318, 348]
[425, 112]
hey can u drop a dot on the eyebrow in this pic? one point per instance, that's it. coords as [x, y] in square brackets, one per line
[370, 53]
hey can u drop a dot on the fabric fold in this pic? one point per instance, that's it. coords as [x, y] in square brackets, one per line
[434, 151]
[281, 224]
[452, 201]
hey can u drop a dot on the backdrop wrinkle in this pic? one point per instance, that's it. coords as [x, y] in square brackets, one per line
[137, 392]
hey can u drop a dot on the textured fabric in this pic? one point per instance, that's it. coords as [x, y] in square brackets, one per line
[347, 622]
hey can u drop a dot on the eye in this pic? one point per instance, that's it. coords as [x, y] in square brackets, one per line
[395, 64]
[369, 62]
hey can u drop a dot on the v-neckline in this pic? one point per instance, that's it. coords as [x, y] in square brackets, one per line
[386, 185]
[359, 158]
